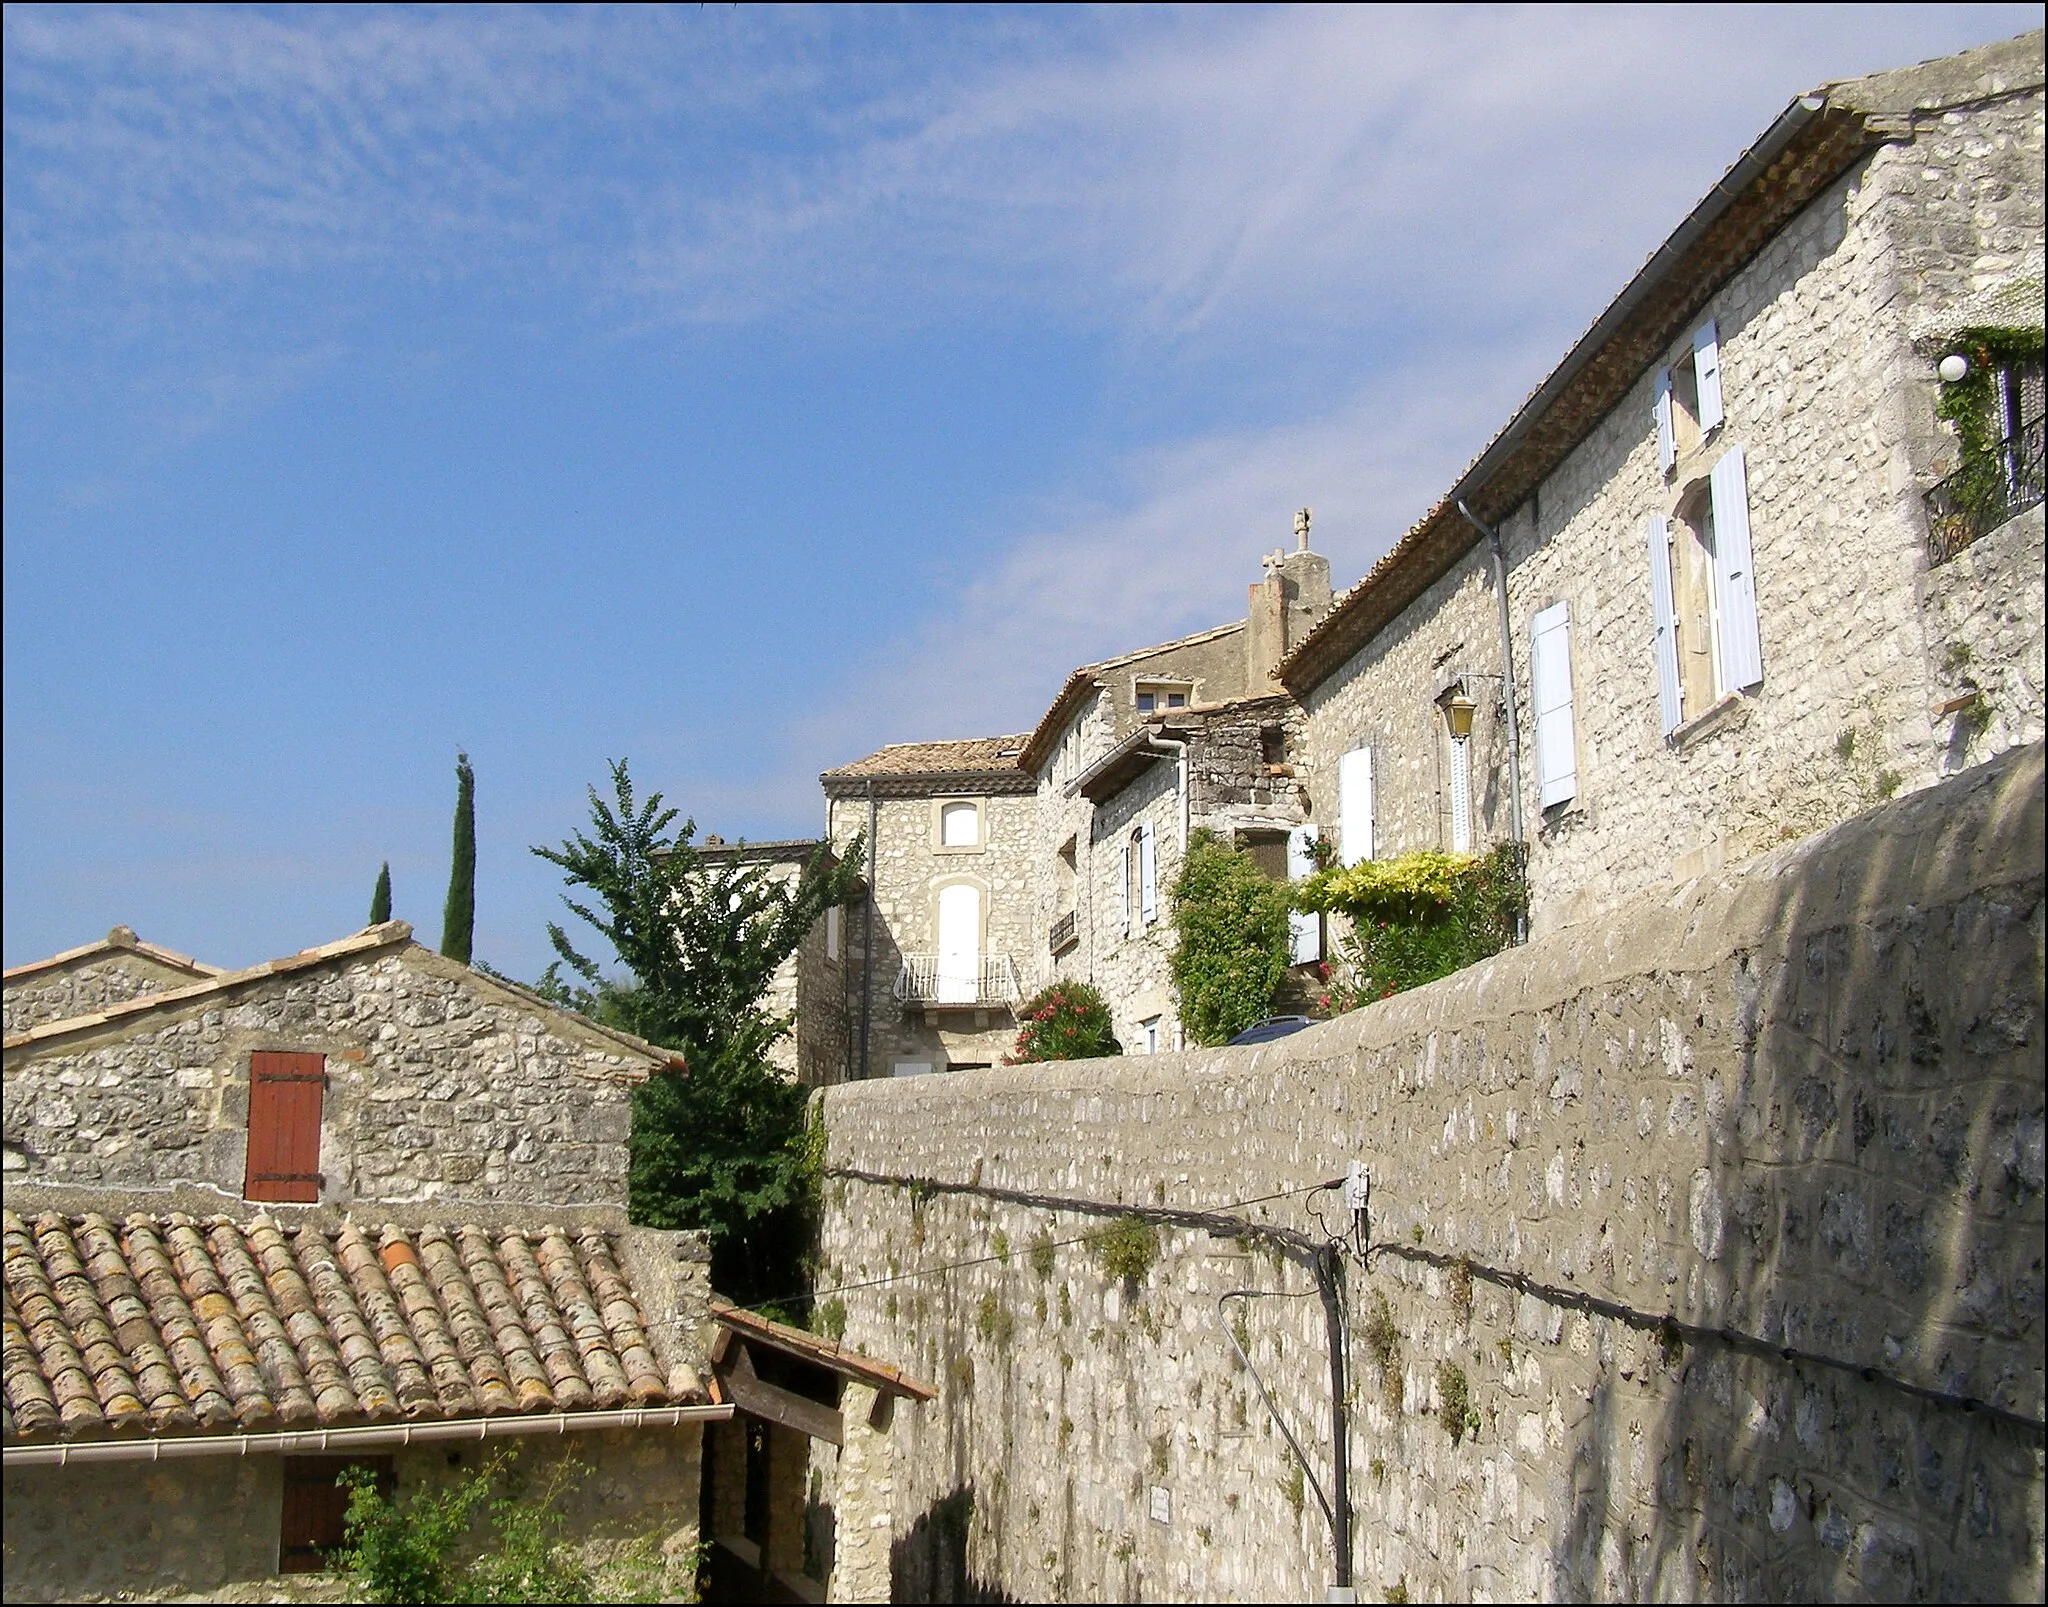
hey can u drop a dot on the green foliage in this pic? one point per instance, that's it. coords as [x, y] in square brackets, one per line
[1232, 946]
[1970, 405]
[1126, 1248]
[1066, 1021]
[830, 1319]
[993, 1321]
[1417, 917]
[380, 897]
[1383, 1339]
[1042, 1255]
[411, 1551]
[1455, 1397]
[1000, 1243]
[1292, 1487]
[721, 1145]
[458, 915]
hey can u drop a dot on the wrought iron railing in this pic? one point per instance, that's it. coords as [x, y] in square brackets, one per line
[1982, 495]
[928, 979]
[1065, 933]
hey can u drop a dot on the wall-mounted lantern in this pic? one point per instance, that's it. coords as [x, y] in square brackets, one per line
[1458, 712]
[1953, 367]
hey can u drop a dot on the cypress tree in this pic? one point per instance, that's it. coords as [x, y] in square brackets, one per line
[380, 900]
[458, 918]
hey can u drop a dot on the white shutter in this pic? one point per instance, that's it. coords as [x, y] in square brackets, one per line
[1670, 695]
[1706, 368]
[1461, 795]
[1305, 927]
[1667, 435]
[1742, 657]
[1354, 806]
[1123, 890]
[1550, 669]
[1148, 875]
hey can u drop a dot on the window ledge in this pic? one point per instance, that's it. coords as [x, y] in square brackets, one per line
[1730, 714]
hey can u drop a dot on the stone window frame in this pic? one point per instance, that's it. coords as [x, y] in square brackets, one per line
[939, 805]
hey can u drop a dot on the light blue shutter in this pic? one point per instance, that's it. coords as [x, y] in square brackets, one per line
[1148, 876]
[1123, 890]
[1667, 436]
[1354, 805]
[1305, 927]
[1706, 368]
[1670, 697]
[1550, 669]
[1742, 655]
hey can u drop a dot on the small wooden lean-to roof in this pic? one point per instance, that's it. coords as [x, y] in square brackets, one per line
[819, 1352]
[178, 1326]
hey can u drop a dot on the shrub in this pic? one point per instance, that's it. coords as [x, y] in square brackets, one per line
[1417, 917]
[1066, 1021]
[1126, 1248]
[1233, 944]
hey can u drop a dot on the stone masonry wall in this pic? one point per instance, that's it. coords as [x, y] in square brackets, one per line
[441, 1085]
[1985, 634]
[1801, 1102]
[79, 989]
[196, 1530]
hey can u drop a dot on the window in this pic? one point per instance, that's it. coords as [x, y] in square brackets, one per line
[1066, 876]
[959, 961]
[910, 1068]
[1703, 595]
[1550, 671]
[1267, 850]
[285, 1094]
[832, 918]
[959, 824]
[315, 1506]
[1689, 406]
[1138, 896]
[1272, 744]
[1154, 696]
[1354, 806]
[1148, 1035]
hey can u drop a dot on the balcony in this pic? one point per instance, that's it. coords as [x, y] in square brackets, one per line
[1065, 933]
[930, 982]
[1981, 496]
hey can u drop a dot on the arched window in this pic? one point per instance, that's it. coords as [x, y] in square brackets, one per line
[960, 825]
[959, 961]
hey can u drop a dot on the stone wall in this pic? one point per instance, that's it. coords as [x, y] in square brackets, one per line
[194, 1530]
[1985, 633]
[1131, 955]
[1801, 1103]
[89, 984]
[442, 1085]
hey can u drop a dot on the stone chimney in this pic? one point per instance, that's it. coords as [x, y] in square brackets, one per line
[1285, 607]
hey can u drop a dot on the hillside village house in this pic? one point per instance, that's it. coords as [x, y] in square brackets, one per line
[1734, 609]
[1709, 590]
[364, 1205]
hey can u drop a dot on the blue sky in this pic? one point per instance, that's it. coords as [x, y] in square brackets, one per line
[738, 389]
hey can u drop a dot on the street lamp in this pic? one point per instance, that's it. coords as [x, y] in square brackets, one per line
[1458, 712]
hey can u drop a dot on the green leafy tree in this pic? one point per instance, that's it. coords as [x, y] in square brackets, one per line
[380, 899]
[458, 917]
[721, 1146]
[1417, 917]
[1232, 943]
[1066, 1021]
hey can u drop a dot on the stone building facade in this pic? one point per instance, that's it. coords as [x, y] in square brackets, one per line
[440, 1084]
[82, 980]
[944, 947]
[1726, 625]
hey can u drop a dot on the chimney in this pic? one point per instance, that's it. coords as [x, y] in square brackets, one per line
[1285, 606]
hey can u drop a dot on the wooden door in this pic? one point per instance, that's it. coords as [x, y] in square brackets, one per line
[285, 1095]
[316, 1508]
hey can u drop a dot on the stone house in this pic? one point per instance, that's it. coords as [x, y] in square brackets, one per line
[358, 1206]
[1689, 598]
[81, 980]
[943, 945]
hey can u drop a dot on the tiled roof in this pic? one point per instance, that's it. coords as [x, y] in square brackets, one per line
[1067, 702]
[176, 1324]
[968, 756]
[121, 940]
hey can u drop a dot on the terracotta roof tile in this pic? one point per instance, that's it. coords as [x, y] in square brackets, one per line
[121, 940]
[968, 756]
[171, 1324]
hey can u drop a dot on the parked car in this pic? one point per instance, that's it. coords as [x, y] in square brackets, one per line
[1269, 1029]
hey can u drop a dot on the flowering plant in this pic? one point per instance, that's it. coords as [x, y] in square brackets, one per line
[1066, 1021]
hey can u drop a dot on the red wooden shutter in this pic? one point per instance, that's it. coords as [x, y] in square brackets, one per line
[316, 1508]
[284, 1126]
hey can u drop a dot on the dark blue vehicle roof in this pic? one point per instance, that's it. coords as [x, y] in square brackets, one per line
[1272, 1027]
